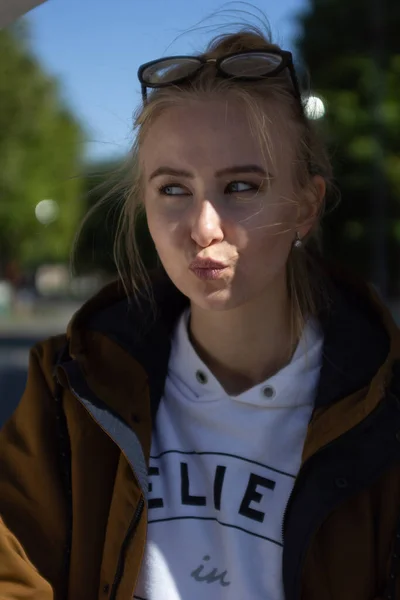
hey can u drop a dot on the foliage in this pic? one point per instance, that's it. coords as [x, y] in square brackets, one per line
[94, 248]
[352, 50]
[40, 152]
[104, 197]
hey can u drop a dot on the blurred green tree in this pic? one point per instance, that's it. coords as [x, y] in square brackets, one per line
[94, 245]
[104, 199]
[352, 51]
[40, 154]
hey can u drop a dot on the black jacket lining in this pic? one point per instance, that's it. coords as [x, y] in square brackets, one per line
[355, 341]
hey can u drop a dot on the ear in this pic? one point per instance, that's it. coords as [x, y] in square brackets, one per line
[310, 206]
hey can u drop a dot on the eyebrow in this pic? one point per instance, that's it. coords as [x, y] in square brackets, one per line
[238, 169]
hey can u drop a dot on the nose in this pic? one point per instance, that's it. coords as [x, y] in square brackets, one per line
[206, 226]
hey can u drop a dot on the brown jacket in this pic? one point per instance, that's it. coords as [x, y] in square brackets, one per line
[73, 474]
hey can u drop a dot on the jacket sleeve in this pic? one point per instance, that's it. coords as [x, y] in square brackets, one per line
[19, 579]
[32, 498]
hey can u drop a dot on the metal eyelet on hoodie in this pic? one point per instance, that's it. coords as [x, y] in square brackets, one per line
[201, 377]
[268, 392]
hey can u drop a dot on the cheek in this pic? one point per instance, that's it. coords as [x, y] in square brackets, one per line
[165, 235]
[163, 218]
[156, 221]
[266, 245]
[273, 224]
[269, 248]
[275, 210]
[156, 229]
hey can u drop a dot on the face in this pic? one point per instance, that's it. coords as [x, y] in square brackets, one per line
[223, 220]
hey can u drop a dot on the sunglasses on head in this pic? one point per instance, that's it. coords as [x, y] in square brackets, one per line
[248, 65]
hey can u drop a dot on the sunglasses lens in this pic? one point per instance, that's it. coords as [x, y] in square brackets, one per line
[257, 64]
[168, 71]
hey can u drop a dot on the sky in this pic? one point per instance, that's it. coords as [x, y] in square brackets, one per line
[94, 48]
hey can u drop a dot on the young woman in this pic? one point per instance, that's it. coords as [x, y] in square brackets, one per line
[230, 428]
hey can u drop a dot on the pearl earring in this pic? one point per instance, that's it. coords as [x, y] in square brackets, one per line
[298, 242]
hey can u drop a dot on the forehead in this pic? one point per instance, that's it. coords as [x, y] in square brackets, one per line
[215, 133]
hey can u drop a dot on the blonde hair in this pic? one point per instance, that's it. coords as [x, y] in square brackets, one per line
[311, 159]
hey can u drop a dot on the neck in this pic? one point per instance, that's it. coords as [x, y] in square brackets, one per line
[245, 345]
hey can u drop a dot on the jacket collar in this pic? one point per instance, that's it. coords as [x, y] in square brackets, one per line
[360, 336]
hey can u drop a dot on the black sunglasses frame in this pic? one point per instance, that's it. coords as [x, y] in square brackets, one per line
[287, 62]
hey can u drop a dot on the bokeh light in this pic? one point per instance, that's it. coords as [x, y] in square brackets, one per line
[47, 211]
[314, 107]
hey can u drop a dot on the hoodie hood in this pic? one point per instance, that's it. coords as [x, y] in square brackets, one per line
[361, 339]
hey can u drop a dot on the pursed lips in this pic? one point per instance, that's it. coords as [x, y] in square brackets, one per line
[206, 263]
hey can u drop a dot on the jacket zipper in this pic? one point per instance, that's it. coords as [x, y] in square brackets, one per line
[296, 485]
[124, 547]
[298, 478]
[129, 534]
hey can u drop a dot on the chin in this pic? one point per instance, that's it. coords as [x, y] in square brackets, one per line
[212, 295]
[217, 300]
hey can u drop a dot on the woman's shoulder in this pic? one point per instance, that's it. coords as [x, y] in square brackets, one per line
[129, 317]
[138, 324]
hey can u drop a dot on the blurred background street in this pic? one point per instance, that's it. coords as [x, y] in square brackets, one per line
[13, 362]
[17, 336]
[68, 88]
[13, 365]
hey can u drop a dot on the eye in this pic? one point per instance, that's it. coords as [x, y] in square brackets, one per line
[238, 187]
[172, 190]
